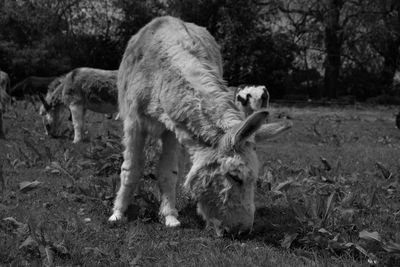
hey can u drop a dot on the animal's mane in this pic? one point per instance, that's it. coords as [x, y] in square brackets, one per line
[55, 83]
[93, 78]
[54, 97]
[196, 58]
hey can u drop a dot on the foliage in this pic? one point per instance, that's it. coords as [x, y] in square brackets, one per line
[252, 53]
[262, 42]
[328, 195]
[28, 43]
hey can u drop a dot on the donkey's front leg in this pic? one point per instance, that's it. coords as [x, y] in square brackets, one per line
[77, 113]
[167, 177]
[132, 167]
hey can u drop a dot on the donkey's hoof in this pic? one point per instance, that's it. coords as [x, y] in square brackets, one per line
[172, 221]
[117, 216]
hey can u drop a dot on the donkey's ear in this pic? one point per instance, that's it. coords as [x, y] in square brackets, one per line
[250, 126]
[270, 130]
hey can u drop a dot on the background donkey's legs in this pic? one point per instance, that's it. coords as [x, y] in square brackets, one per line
[132, 167]
[167, 177]
[77, 113]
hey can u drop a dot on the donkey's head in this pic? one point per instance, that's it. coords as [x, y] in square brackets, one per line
[51, 111]
[250, 98]
[222, 178]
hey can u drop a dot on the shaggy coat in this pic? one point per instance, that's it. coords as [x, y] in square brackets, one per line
[170, 86]
[80, 90]
[4, 98]
[31, 86]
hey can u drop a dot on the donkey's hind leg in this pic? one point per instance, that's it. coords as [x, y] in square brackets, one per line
[77, 113]
[132, 167]
[167, 177]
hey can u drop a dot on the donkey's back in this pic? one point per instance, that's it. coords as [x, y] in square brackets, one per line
[96, 89]
[160, 59]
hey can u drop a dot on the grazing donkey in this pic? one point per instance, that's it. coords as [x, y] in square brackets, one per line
[250, 98]
[170, 86]
[4, 98]
[80, 90]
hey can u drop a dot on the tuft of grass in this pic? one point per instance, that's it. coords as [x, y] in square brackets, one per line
[327, 195]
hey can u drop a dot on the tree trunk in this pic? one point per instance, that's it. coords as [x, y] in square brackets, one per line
[333, 44]
[390, 63]
[391, 46]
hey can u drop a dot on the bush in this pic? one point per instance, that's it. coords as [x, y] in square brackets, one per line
[384, 100]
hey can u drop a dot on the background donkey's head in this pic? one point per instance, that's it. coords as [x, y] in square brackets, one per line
[51, 111]
[250, 98]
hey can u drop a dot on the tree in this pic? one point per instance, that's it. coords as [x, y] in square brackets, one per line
[136, 14]
[372, 43]
[46, 37]
[250, 52]
[333, 44]
[28, 34]
[385, 37]
[312, 19]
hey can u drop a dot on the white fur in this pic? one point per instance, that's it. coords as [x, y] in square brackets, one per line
[77, 113]
[172, 221]
[255, 101]
[170, 86]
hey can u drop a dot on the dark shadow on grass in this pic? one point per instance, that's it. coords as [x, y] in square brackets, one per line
[271, 224]
[189, 217]
[142, 209]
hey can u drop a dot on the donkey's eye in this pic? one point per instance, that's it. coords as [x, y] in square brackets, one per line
[235, 179]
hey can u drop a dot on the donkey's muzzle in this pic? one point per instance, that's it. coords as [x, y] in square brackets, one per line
[49, 131]
[238, 230]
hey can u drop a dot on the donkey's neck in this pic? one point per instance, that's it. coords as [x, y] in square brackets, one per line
[201, 102]
[199, 115]
[190, 88]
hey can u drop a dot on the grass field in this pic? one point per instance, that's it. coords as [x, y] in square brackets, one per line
[328, 195]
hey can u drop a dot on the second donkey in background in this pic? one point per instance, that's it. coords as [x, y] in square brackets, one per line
[82, 89]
